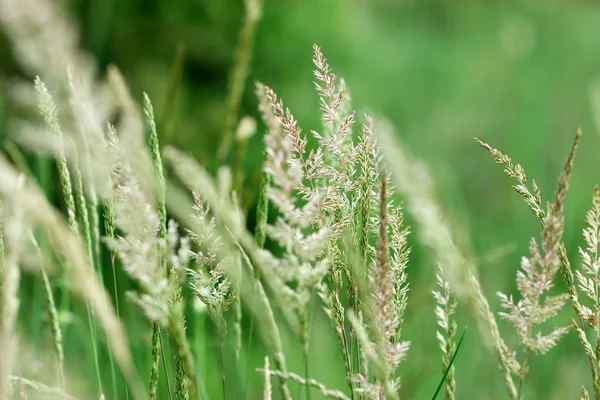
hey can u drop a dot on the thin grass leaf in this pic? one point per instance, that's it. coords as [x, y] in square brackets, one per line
[437, 391]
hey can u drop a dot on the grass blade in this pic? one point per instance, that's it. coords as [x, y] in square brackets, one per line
[437, 391]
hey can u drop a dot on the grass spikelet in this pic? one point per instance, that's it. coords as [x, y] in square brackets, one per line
[227, 224]
[50, 114]
[586, 283]
[209, 280]
[157, 164]
[539, 270]
[385, 309]
[162, 230]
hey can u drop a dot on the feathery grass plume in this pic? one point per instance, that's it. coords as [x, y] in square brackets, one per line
[157, 164]
[338, 171]
[239, 73]
[141, 251]
[234, 234]
[50, 114]
[540, 269]
[336, 116]
[13, 232]
[533, 309]
[445, 308]
[325, 180]
[67, 244]
[209, 280]
[284, 164]
[413, 181]
[328, 170]
[587, 283]
[553, 215]
[590, 264]
[138, 247]
[52, 314]
[301, 267]
[384, 310]
[369, 160]
[584, 394]
[162, 227]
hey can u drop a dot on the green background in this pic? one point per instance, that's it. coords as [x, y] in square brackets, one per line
[517, 75]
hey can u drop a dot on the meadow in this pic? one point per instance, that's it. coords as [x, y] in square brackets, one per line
[199, 202]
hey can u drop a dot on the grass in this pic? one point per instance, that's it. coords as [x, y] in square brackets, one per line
[334, 278]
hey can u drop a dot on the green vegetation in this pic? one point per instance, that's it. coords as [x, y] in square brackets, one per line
[170, 232]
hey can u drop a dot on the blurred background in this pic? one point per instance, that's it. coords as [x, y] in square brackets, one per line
[520, 75]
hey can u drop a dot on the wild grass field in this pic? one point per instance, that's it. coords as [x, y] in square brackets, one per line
[199, 202]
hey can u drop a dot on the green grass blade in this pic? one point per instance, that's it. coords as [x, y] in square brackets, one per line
[449, 365]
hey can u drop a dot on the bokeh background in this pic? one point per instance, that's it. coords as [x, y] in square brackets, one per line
[517, 74]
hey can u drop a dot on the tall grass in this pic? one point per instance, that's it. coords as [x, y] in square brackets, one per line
[330, 239]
